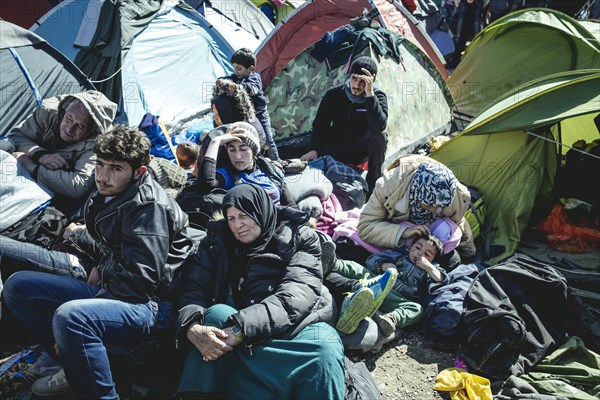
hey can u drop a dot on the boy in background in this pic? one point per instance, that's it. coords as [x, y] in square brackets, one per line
[187, 154]
[244, 63]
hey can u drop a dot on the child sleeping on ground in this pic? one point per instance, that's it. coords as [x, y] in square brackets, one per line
[417, 263]
[409, 271]
[416, 266]
[398, 306]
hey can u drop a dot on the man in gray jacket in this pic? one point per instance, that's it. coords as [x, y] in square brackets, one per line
[55, 143]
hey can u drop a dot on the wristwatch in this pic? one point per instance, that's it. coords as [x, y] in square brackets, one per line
[237, 332]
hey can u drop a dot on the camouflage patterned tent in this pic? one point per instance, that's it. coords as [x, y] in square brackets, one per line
[313, 18]
[419, 101]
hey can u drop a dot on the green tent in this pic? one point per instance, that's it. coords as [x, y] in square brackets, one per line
[511, 150]
[592, 25]
[516, 49]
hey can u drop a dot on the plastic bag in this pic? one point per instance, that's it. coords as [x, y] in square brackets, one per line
[14, 371]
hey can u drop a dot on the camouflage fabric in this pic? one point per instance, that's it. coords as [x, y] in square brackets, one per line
[43, 228]
[419, 101]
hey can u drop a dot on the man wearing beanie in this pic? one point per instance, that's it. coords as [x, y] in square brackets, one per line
[351, 120]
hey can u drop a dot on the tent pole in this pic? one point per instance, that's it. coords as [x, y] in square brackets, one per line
[562, 145]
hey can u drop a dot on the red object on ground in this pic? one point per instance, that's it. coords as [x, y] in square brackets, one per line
[567, 237]
[364, 165]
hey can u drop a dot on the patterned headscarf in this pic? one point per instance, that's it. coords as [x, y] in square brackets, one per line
[434, 185]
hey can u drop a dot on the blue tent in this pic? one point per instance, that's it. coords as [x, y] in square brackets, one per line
[162, 60]
[238, 20]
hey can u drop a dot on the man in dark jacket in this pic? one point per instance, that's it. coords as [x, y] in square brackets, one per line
[139, 238]
[351, 120]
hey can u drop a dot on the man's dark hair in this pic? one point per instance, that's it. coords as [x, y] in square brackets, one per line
[123, 143]
[244, 57]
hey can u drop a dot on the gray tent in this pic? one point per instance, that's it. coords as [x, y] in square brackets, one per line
[31, 70]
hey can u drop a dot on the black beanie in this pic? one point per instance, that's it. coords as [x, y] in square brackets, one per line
[363, 62]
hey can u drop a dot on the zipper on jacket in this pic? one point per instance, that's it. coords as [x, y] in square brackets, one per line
[350, 110]
[71, 242]
[96, 225]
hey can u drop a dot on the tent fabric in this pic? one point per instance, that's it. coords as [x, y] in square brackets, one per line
[593, 27]
[516, 49]
[228, 23]
[277, 11]
[89, 25]
[510, 169]
[69, 15]
[398, 19]
[27, 76]
[117, 26]
[565, 95]
[14, 36]
[243, 13]
[157, 65]
[309, 22]
[51, 73]
[24, 13]
[158, 57]
[419, 102]
[510, 152]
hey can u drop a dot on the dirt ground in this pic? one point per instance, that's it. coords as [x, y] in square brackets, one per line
[405, 369]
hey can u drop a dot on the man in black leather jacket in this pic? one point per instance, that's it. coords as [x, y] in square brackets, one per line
[139, 238]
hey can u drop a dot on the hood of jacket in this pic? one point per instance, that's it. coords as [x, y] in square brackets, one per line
[102, 110]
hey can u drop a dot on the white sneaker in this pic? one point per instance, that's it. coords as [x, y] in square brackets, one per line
[51, 385]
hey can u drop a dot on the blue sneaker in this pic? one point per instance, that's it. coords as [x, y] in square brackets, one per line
[380, 286]
[355, 308]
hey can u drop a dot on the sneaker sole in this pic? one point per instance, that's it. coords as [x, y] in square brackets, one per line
[57, 394]
[359, 308]
[386, 290]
